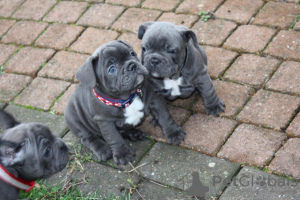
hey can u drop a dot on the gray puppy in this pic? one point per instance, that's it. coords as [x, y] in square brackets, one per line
[27, 152]
[177, 63]
[112, 98]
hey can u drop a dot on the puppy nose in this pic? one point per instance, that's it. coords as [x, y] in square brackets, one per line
[154, 62]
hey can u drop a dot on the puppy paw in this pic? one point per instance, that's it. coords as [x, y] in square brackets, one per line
[134, 135]
[103, 153]
[216, 109]
[123, 155]
[176, 136]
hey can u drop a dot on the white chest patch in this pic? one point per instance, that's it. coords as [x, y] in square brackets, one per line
[134, 112]
[173, 85]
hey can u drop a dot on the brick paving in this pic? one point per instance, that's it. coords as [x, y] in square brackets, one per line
[253, 51]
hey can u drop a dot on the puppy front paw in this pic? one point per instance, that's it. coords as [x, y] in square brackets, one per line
[134, 135]
[176, 136]
[103, 153]
[123, 155]
[216, 109]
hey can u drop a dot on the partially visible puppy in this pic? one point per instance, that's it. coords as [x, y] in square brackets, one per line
[177, 63]
[27, 152]
[112, 98]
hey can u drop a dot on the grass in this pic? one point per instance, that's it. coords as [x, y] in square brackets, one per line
[204, 16]
[297, 18]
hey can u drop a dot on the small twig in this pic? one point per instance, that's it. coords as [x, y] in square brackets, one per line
[157, 183]
[140, 194]
[135, 168]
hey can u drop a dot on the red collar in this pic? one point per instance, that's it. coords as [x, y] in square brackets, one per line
[15, 181]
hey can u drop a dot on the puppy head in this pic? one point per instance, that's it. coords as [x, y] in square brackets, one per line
[164, 47]
[37, 153]
[114, 68]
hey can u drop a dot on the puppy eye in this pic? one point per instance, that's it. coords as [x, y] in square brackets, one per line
[172, 51]
[144, 49]
[132, 53]
[112, 70]
[47, 152]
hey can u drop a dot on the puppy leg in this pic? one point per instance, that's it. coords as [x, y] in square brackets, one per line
[133, 135]
[99, 147]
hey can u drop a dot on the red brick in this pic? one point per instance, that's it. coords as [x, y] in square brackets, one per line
[5, 24]
[297, 26]
[213, 32]
[218, 60]
[8, 7]
[234, 96]
[100, 15]
[34, 9]
[5, 52]
[60, 105]
[196, 6]
[251, 69]
[41, 93]
[249, 38]
[239, 11]
[186, 103]
[166, 5]
[286, 78]
[286, 161]
[179, 19]
[11, 85]
[24, 32]
[252, 145]
[133, 17]
[59, 36]
[284, 17]
[28, 60]
[207, 133]
[63, 65]
[294, 128]
[130, 3]
[66, 12]
[285, 45]
[133, 40]
[91, 39]
[269, 109]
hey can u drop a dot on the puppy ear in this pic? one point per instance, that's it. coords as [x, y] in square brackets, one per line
[10, 153]
[142, 29]
[86, 73]
[187, 34]
[7, 121]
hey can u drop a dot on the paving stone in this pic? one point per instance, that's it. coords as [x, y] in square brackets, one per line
[294, 128]
[167, 5]
[196, 6]
[178, 19]
[249, 38]
[11, 85]
[61, 104]
[91, 39]
[34, 9]
[59, 36]
[218, 60]
[286, 161]
[149, 191]
[63, 65]
[234, 96]
[239, 11]
[133, 17]
[2, 105]
[252, 145]
[297, 26]
[56, 123]
[41, 93]
[178, 114]
[284, 17]
[100, 15]
[6, 51]
[174, 166]
[207, 133]
[286, 78]
[24, 32]
[255, 184]
[28, 60]
[213, 32]
[270, 109]
[285, 45]
[8, 7]
[252, 69]
[130, 3]
[185, 103]
[133, 40]
[5, 24]
[66, 12]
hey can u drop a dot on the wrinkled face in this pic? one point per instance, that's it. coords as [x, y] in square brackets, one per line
[163, 50]
[42, 154]
[117, 69]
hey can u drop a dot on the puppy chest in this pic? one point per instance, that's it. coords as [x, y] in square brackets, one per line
[173, 85]
[134, 112]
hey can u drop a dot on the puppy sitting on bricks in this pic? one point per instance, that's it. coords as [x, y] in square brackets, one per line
[177, 63]
[27, 152]
[112, 98]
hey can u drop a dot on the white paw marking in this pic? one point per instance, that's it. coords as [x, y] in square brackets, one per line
[173, 85]
[134, 112]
